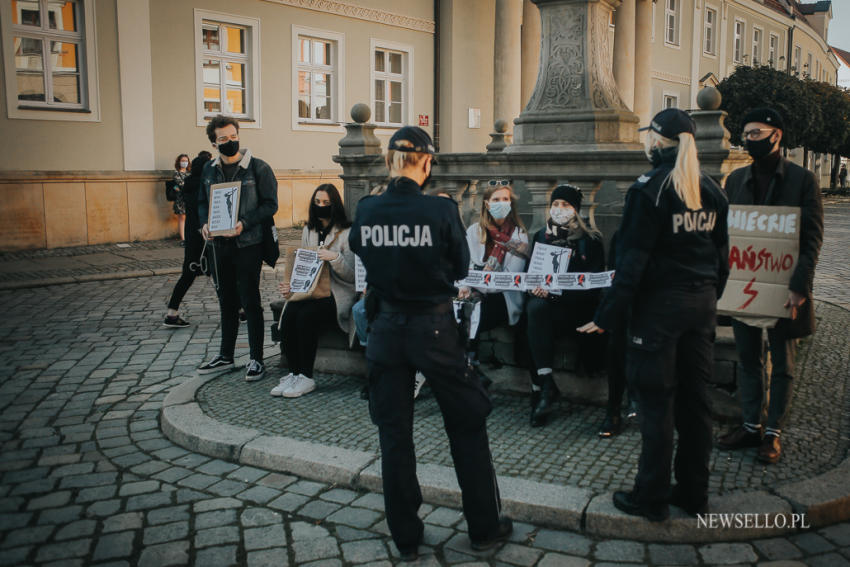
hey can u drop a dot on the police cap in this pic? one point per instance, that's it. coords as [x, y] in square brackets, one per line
[412, 139]
[765, 116]
[671, 122]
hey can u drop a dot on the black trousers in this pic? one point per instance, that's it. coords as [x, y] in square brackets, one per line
[237, 274]
[400, 344]
[615, 362]
[670, 357]
[556, 316]
[303, 323]
[192, 253]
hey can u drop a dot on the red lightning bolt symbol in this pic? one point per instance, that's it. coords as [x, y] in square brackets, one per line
[748, 289]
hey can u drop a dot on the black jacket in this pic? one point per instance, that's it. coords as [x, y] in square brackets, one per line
[413, 246]
[257, 197]
[791, 186]
[662, 245]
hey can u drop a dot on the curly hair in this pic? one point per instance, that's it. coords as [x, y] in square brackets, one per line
[220, 121]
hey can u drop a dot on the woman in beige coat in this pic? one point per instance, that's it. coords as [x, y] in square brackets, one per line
[304, 321]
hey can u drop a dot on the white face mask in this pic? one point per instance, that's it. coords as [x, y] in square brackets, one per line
[499, 209]
[561, 215]
[184, 164]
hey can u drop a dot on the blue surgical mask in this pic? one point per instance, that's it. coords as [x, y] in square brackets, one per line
[500, 209]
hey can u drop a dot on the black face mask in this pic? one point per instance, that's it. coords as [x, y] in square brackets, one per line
[657, 155]
[759, 149]
[321, 212]
[230, 148]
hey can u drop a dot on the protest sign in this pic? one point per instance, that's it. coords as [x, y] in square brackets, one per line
[764, 245]
[498, 281]
[224, 208]
[547, 262]
[519, 281]
[305, 269]
[359, 274]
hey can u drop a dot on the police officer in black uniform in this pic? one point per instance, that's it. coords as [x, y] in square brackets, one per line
[414, 248]
[672, 265]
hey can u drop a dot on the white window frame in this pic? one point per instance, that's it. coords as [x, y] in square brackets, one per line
[251, 119]
[675, 14]
[407, 62]
[667, 95]
[709, 31]
[757, 45]
[88, 110]
[798, 59]
[773, 50]
[809, 63]
[738, 40]
[337, 80]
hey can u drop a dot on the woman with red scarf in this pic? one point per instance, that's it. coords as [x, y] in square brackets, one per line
[498, 242]
[551, 315]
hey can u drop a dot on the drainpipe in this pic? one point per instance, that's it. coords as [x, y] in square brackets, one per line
[437, 75]
[790, 49]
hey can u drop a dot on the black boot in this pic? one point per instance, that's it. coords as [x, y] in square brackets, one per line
[546, 404]
[611, 426]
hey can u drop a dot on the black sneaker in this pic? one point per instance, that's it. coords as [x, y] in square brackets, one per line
[256, 371]
[217, 364]
[175, 322]
[503, 532]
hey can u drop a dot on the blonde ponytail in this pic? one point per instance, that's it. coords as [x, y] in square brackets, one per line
[685, 173]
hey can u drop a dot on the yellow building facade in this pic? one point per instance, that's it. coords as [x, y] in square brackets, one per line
[100, 96]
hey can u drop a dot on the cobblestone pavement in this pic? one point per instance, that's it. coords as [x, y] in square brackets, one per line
[89, 479]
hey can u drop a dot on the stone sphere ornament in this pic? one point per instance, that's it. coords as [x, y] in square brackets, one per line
[361, 113]
[709, 98]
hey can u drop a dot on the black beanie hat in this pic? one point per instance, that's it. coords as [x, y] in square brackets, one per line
[765, 116]
[569, 193]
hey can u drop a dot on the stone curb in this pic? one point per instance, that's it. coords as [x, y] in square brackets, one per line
[824, 499]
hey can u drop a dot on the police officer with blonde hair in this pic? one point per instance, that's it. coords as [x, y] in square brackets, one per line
[413, 247]
[672, 265]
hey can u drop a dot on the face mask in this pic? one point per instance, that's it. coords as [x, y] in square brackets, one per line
[759, 148]
[655, 156]
[184, 164]
[560, 215]
[500, 209]
[229, 149]
[321, 212]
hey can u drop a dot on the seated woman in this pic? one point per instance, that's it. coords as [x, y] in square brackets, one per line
[303, 321]
[497, 242]
[550, 315]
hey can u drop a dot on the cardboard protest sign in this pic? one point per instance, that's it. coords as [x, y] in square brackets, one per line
[359, 274]
[224, 208]
[764, 244]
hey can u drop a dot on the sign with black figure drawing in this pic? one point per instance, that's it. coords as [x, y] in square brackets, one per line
[224, 208]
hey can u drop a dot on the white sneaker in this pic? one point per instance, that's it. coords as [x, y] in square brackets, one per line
[418, 381]
[299, 386]
[285, 382]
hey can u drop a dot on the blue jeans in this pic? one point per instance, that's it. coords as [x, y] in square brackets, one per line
[361, 324]
[751, 379]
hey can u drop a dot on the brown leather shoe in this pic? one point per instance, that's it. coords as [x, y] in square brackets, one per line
[770, 450]
[739, 438]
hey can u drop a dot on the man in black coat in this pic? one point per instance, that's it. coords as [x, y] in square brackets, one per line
[773, 180]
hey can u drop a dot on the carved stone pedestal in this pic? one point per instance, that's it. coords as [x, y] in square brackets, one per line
[575, 104]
